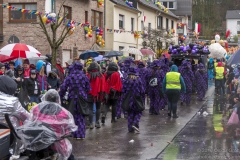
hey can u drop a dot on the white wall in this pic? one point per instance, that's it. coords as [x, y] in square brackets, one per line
[232, 26]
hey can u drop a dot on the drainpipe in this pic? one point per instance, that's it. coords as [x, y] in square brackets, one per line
[137, 27]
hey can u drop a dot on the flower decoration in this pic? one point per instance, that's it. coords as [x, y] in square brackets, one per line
[88, 30]
[161, 7]
[129, 3]
[136, 34]
[100, 3]
[99, 40]
[144, 34]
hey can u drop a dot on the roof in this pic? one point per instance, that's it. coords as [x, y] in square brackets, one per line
[183, 8]
[122, 3]
[151, 4]
[233, 14]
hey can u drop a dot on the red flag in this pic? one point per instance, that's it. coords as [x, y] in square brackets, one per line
[199, 27]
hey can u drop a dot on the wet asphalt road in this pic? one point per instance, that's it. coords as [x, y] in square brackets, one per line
[111, 141]
[204, 137]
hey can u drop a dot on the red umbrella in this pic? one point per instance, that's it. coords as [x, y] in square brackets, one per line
[147, 51]
[18, 50]
[4, 58]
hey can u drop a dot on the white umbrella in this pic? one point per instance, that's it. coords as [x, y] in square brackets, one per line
[132, 51]
[19, 50]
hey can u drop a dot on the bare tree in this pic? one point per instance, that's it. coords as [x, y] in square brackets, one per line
[157, 39]
[58, 32]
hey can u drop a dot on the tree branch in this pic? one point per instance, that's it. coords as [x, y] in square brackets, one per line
[42, 25]
[62, 39]
[62, 34]
[59, 23]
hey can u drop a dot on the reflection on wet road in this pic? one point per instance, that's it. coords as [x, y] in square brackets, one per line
[204, 137]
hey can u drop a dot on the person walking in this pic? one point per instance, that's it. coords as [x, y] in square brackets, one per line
[188, 76]
[132, 93]
[201, 81]
[113, 89]
[96, 94]
[172, 84]
[154, 84]
[77, 83]
[210, 69]
[219, 78]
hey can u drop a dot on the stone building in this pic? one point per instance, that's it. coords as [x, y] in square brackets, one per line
[19, 27]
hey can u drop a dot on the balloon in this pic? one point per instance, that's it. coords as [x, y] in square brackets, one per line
[193, 51]
[68, 25]
[49, 17]
[86, 35]
[48, 21]
[87, 23]
[44, 19]
[181, 47]
[90, 35]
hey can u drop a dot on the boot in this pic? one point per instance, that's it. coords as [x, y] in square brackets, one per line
[91, 126]
[175, 116]
[97, 125]
[103, 120]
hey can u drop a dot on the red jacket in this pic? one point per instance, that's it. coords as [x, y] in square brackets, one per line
[113, 82]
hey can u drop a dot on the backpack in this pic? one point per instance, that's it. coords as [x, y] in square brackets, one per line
[153, 80]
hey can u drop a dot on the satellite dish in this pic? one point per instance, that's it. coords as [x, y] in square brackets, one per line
[13, 39]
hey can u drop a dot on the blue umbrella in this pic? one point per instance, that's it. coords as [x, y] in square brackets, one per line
[99, 58]
[113, 54]
[234, 59]
[87, 54]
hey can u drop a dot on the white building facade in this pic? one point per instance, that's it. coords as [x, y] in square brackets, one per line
[122, 21]
[233, 22]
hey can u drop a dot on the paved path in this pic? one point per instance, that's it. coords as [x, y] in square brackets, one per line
[112, 140]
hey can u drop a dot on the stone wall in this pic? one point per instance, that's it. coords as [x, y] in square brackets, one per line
[30, 33]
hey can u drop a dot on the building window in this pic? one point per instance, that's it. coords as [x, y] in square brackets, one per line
[170, 5]
[121, 48]
[165, 4]
[172, 25]
[67, 12]
[96, 18]
[86, 16]
[166, 23]
[159, 22]
[149, 27]
[132, 24]
[1, 18]
[121, 21]
[142, 25]
[18, 16]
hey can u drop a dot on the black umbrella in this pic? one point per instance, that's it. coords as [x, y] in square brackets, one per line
[113, 54]
[234, 59]
[87, 54]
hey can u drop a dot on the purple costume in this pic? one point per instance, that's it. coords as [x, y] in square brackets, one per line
[133, 84]
[123, 69]
[76, 82]
[155, 78]
[164, 66]
[188, 76]
[201, 81]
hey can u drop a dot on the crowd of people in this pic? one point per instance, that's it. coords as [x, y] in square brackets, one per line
[121, 86]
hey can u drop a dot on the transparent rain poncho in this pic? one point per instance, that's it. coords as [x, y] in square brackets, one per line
[47, 125]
